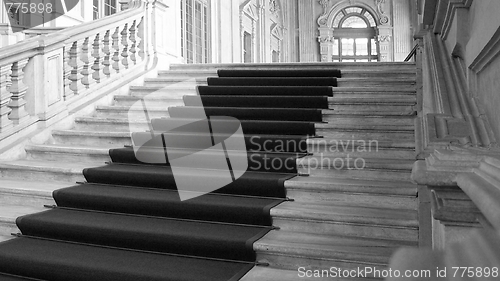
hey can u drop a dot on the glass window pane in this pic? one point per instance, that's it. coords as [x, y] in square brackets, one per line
[354, 22]
[374, 47]
[361, 46]
[336, 47]
[347, 46]
[348, 60]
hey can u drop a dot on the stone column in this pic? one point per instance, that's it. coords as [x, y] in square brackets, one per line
[307, 31]
[384, 40]
[325, 40]
[402, 29]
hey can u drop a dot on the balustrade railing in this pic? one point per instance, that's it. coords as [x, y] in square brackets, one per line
[47, 74]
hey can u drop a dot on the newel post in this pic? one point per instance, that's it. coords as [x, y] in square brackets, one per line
[46, 83]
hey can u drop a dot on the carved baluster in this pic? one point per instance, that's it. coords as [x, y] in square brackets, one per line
[107, 54]
[116, 50]
[85, 58]
[125, 47]
[67, 72]
[97, 54]
[133, 43]
[18, 90]
[140, 36]
[76, 68]
[5, 122]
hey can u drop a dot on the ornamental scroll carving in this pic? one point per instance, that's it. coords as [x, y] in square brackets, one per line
[322, 20]
[383, 18]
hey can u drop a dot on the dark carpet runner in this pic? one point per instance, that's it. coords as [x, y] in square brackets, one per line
[127, 221]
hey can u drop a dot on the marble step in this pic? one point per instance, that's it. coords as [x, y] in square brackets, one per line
[342, 66]
[371, 108]
[343, 161]
[68, 152]
[338, 144]
[345, 119]
[341, 82]
[382, 90]
[290, 250]
[373, 135]
[111, 124]
[116, 111]
[172, 91]
[349, 185]
[260, 273]
[340, 111]
[376, 82]
[28, 192]
[70, 172]
[10, 212]
[326, 218]
[347, 100]
[91, 138]
[346, 73]
[359, 169]
[369, 126]
[163, 101]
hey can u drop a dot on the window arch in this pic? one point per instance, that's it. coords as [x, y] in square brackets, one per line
[354, 35]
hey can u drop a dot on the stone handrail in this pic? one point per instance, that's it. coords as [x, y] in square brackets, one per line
[47, 76]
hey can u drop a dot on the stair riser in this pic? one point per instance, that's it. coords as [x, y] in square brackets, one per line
[110, 127]
[21, 174]
[380, 74]
[7, 228]
[133, 114]
[355, 230]
[175, 82]
[67, 157]
[167, 93]
[383, 175]
[26, 199]
[184, 74]
[376, 83]
[348, 162]
[364, 200]
[357, 135]
[368, 67]
[160, 102]
[92, 140]
[374, 153]
[367, 107]
[292, 262]
[361, 126]
[372, 121]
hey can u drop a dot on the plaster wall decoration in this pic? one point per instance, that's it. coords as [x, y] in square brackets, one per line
[383, 18]
[324, 39]
[274, 6]
[323, 18]
[384, 38]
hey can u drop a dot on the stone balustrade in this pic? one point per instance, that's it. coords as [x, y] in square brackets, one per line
[49, 75]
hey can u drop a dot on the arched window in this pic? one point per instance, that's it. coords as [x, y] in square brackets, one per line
[354, 35]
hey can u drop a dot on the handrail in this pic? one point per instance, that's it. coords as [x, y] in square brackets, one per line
[413, 52]
[47, 75]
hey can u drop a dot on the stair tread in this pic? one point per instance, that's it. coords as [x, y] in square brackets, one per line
[41, 188]
[131, 108]
[91, 133]
[328, 212]
[56, 166]
[73, 148]
[400, 188]
[9, 213]
[327, 245]
[259, 273]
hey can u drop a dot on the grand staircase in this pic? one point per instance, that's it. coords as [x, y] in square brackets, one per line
[353, 203]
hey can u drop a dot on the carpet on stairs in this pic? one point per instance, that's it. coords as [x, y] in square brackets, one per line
[127, 222]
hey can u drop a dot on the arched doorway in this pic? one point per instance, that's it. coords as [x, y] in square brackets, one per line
[354, 33]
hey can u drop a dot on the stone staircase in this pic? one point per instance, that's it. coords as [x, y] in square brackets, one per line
[341, 216]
